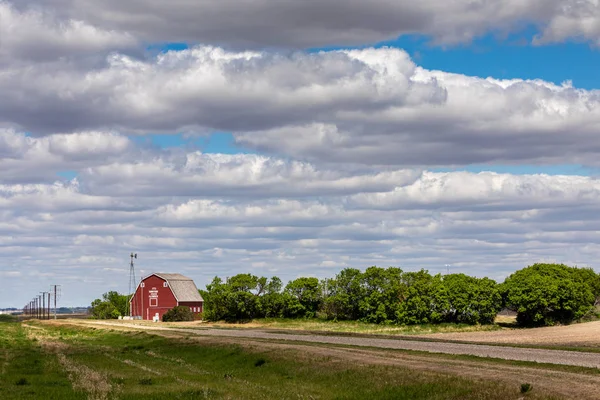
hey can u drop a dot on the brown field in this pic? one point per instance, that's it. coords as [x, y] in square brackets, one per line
[576, 335]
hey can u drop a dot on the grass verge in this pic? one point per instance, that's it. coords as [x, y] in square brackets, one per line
[137, 365]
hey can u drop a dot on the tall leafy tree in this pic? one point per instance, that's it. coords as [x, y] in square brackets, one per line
[425, 300]
[545, 294]
[343, 295]
[382, 291]
[471, 300]
[112, 305]
[307, 292]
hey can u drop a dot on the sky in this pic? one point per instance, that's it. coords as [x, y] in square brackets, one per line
[294, 138]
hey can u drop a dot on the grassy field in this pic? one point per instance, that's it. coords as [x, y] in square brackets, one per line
[42, 361]
[356, 327]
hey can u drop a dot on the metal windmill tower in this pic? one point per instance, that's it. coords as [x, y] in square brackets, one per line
[132, 281]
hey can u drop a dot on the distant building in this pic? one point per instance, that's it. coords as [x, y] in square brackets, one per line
[159, 292]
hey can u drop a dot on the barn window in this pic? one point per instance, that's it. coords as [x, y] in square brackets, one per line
[165, 284]
[153, 302]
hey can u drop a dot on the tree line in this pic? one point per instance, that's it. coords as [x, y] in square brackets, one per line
[541, 294]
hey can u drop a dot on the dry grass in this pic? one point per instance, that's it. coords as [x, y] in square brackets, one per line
[85, 379]
[82, 378]
[316, 325]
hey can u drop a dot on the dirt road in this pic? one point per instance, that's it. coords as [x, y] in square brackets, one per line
[573, 358]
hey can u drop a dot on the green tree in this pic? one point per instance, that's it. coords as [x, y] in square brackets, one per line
[271, 302]
[342, 295]
[382, 291]
[425, 300]
[111, 306]
[472, 300]
[307, 292]
[215, 300]
[243, 297]
[545, 294]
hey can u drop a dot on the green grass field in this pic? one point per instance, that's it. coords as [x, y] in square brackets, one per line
[41, 361]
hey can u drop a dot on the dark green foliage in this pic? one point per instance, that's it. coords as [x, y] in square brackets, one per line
[425, 300]
[381, 293]
[8, 318]
[178, 313]
[260, 362]
[545, 294]
[542, 294]
[244, 297]
[343, 294]
[526, 387]
[303, 297]
[22, 382]
[472, 300]
[377, 295]
[145, 381]
[111, 306]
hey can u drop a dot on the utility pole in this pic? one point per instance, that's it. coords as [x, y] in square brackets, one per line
[43, 313]
[48, 314]
[55, 289]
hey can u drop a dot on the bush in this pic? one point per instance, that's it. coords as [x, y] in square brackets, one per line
[260, 362]
[472, 300]
[178, 313]
[545, 294]
[526, 387]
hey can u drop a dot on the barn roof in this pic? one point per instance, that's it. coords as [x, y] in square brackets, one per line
[183, 287]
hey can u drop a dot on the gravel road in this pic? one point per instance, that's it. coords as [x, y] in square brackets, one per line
[574, 358]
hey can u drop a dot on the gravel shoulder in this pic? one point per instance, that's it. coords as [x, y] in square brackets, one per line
[560, 357]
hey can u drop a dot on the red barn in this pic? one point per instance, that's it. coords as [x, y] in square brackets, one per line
[159, 292]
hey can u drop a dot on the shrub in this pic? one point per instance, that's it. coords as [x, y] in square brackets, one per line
[526, 387]
[544, 294]
[260, 362]
[21, 382]
[145, 381]
[178, 313]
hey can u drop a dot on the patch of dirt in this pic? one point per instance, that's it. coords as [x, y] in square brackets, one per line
[576, 335]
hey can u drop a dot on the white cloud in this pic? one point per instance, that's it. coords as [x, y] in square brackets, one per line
[240, 175]
[481, 224]
[313, 23]
[486, 191]
[207, 88]
[35, 35]
[372, 106]
[347, 134]
[31, 160]
[579, 20]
